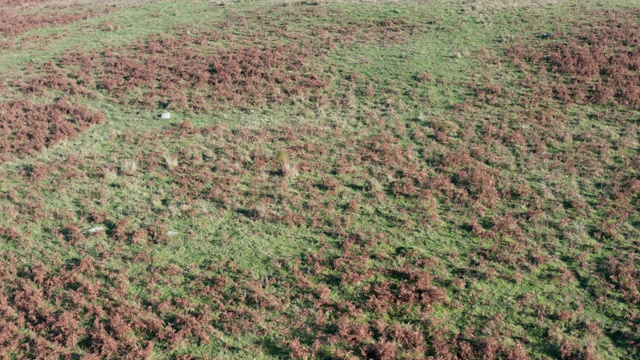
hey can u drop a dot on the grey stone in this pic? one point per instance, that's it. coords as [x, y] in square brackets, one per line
[93, 230]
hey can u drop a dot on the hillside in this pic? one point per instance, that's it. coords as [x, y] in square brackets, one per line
[428, 179]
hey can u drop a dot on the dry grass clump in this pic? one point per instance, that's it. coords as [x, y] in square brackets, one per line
[129, 167]
[171, 162]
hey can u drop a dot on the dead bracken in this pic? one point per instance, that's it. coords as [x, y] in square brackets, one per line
[330, 184]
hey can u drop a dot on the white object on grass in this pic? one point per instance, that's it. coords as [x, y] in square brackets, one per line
[93, 230]
[166, 115]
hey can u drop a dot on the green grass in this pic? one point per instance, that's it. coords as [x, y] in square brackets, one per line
[460, 48]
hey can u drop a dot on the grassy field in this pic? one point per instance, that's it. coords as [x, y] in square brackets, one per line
[337, 180]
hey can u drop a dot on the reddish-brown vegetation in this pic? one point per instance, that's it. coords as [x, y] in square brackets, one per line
[196, 73]
[180, 72]
[520, 196]
[27, 127]
[322, 304]
[15, 22]
[596, 62]
[23, 3]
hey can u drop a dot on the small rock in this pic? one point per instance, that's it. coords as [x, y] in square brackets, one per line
[171, 233]
[166, 115]
[546, 36]
[95, 229]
